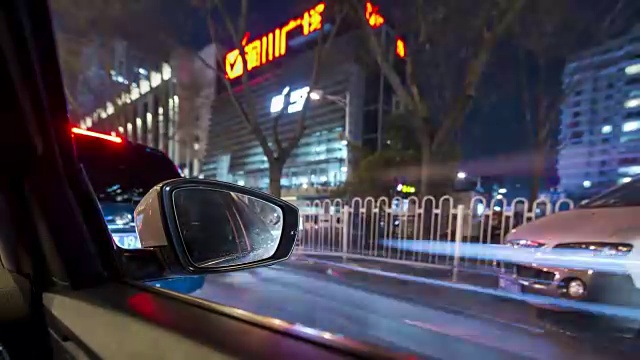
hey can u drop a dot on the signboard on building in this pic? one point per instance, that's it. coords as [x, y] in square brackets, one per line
[296, 100]
[273, 45]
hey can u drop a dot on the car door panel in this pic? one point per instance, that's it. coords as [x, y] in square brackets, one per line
[121, 322]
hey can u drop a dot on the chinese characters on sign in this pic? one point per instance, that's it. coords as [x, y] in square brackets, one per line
[373, 17]
[400, 48]
[274, 44]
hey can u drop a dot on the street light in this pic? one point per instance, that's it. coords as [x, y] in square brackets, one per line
[344, 102]
[318, 94]
[461, 175]
[315, 95]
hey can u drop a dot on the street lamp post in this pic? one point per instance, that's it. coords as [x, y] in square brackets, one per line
[344, 102]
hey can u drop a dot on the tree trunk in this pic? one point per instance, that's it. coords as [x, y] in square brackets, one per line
[425, 164]
[275, 175]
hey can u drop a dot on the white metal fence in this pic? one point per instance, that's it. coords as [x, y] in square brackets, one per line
[425, 231]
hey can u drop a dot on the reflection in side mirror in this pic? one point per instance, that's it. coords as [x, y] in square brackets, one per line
[220, 228]
[205, 226]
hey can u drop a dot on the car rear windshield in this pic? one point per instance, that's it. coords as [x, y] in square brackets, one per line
[624, 195]
[122, 172]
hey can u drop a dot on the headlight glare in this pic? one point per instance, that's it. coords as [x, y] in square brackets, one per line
[524, 243]
[598, 248]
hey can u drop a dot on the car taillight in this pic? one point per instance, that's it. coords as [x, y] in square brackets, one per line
[112, 138]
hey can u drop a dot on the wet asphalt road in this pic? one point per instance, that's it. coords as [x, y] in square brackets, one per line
[431, 321]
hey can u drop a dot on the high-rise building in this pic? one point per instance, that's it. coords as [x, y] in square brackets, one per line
[109, 67]
[167, 107]
[600, 121]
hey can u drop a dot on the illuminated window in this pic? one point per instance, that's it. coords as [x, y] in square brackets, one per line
[135, 92]
[155, 78]
[138, 129]
[149, 129]
[144, 86]
[586, 184]
[166, 71]
[631, 126]
[632, 69]
[606, 129]
[631, 103]
[110, 108]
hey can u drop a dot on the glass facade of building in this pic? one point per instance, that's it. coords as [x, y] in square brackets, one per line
[322, 157]
[600, 122]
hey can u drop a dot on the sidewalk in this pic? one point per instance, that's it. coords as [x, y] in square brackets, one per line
[486, 278]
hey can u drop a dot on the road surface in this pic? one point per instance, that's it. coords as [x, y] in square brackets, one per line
[404, 317]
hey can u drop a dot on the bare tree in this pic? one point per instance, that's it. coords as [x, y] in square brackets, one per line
[549, 31]
[277, 149]
[447, 46]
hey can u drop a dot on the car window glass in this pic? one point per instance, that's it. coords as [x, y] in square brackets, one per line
[624, 195]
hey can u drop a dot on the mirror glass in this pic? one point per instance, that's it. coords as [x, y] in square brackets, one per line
[221, 228]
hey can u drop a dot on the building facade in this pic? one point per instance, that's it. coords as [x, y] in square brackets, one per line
[109, 68]
[167, 108]
[345, 110]
[600, 121]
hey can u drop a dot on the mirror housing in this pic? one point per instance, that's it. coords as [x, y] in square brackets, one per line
[158, 220]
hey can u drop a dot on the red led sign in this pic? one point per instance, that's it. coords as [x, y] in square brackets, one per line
[400, 48]
[274, 44]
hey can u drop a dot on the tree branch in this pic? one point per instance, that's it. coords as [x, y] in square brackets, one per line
[247, 116]
[321, 47]
[233, 32]
[276, 124]
[381, 58]
[475, 69]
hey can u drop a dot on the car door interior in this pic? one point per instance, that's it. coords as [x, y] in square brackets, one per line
[122, 321]
[60, 282]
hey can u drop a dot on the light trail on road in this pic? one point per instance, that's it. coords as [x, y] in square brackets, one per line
[564, 258]
[358, 313]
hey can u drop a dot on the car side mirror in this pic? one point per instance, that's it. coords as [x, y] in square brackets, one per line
[205, 226]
